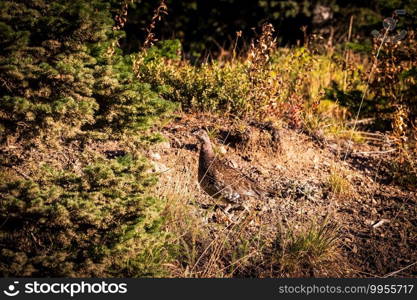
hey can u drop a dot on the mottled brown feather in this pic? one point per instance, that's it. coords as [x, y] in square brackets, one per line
[222, 181]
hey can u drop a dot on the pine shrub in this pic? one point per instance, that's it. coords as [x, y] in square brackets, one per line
[61, 69]
[87, 224]
[63, 78]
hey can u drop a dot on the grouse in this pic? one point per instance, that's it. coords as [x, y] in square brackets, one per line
[221, 181]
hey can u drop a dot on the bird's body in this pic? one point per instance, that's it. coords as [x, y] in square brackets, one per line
[222, 181]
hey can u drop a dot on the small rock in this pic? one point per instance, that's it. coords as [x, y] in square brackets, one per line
[155, 156]
[158, 167]
[380, 223]
[165, 145]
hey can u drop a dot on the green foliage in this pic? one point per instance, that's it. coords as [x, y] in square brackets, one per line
[63, 78]
[125, 103]
[280, 86]
[46, 76]
[61, 70]
[210, 87]
[360, 47]
[169, 49]
[88, 223]
[352, 100]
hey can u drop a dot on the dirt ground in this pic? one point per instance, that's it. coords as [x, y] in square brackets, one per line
[376, 220]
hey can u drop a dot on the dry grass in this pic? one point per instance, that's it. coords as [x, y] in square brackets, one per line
[310, 181]
[150, 39]
[309, 249]
[186, 227]
[339, 184]
[200, 248]
[204, 243]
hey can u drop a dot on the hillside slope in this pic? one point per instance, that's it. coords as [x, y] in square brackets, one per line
[331, 214]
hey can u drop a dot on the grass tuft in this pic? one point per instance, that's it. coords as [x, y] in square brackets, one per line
[307, 249]
[338, 183]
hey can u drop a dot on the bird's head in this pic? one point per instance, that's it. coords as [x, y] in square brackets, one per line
[201, 136]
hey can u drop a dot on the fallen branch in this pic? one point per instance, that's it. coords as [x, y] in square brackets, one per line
[400, 270]
[376, 152]
[363, 121]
